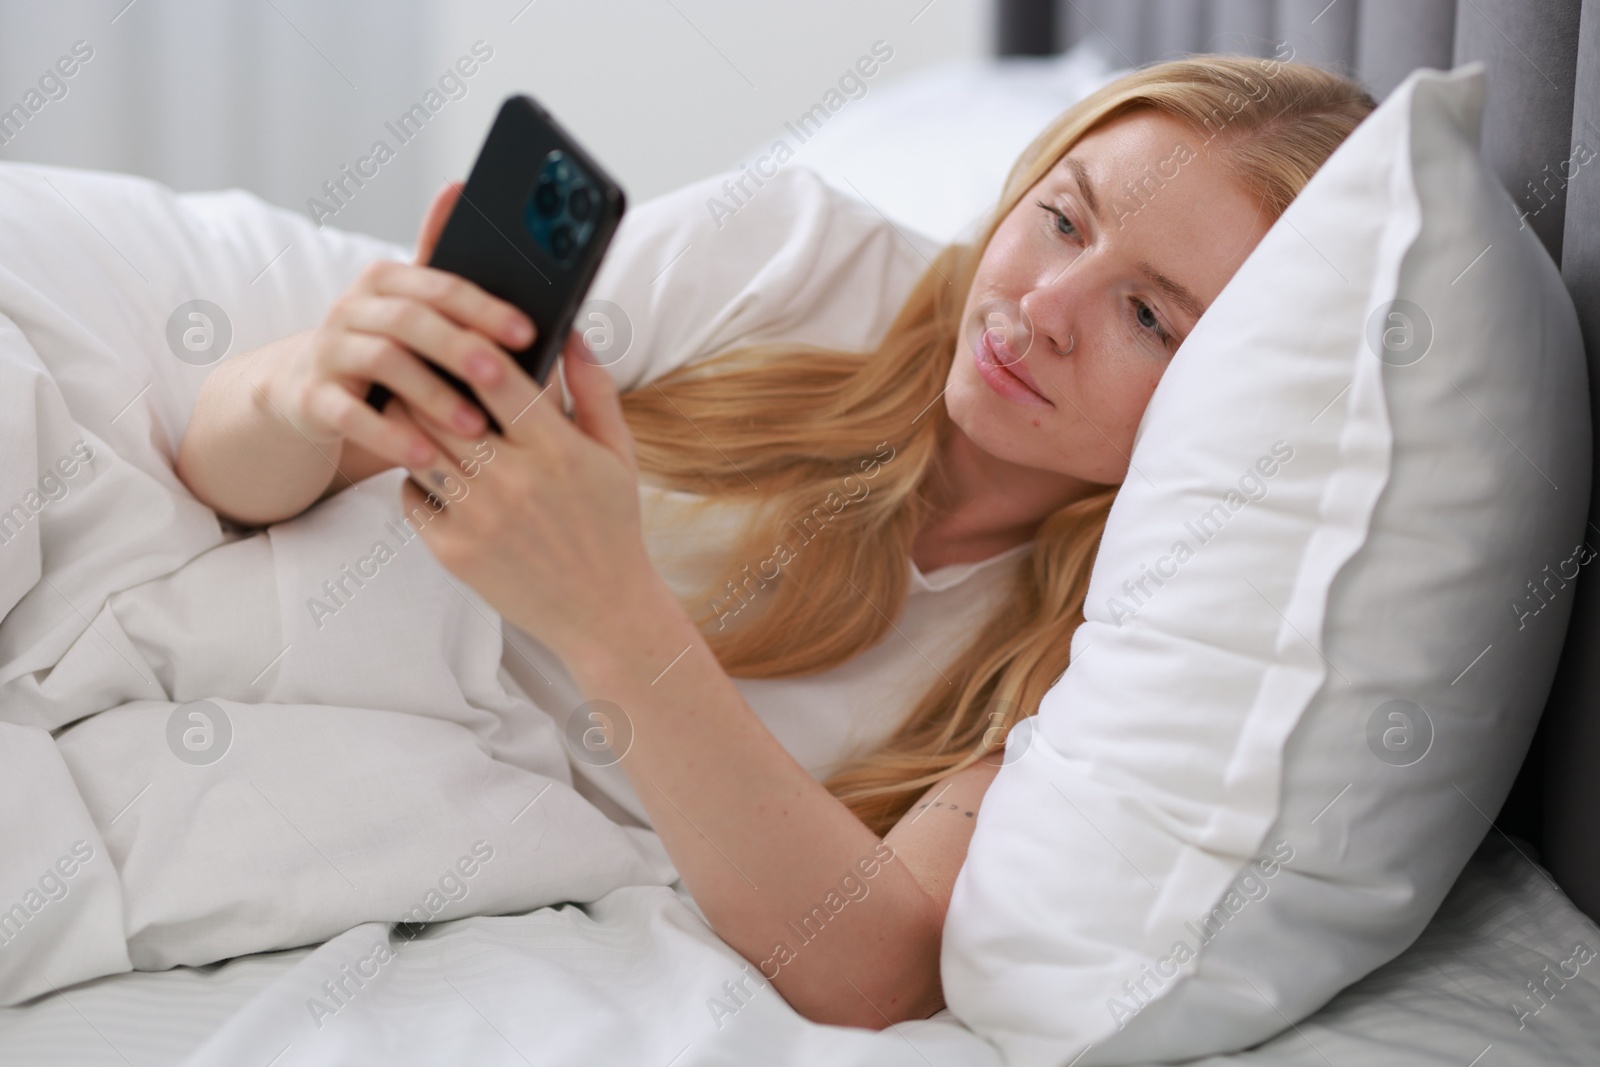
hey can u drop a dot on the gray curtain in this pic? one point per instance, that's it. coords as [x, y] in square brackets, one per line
[1532, 53]
[1377, 40]
[1570, 783]
[1530, 48]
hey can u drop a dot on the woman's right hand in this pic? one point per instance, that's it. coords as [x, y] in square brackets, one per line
[378, 331]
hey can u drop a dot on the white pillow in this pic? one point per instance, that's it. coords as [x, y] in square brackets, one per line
[1267, 764]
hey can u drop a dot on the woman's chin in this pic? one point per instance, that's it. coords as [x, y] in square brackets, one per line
[996, 426]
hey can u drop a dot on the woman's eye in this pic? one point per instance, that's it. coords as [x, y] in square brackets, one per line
[1064, 225]
[1147, 318]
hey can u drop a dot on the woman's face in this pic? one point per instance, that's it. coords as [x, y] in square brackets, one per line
[1112, 257]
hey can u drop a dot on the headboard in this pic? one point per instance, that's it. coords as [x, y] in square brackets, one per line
[1543, 60]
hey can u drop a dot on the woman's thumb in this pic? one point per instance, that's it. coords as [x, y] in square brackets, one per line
[444, 201]
[596, 406]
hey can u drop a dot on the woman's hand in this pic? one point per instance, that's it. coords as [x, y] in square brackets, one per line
[279, 427]
[546, 527]
[377, 332]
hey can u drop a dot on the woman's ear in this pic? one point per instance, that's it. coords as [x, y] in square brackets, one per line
[444, 201]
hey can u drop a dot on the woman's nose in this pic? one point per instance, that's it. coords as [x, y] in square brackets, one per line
[1050, 315]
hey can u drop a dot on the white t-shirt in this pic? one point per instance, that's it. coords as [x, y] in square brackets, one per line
[799, 262]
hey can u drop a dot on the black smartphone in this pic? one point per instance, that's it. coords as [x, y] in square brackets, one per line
[530, 227]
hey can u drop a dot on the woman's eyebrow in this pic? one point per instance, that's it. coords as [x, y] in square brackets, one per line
[1180, 296]
[1080, 174]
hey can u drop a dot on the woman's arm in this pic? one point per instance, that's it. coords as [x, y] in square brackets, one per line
[845, 925]
[277, 428]
[247, 460]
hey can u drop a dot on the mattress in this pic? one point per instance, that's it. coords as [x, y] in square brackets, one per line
[1505, 974]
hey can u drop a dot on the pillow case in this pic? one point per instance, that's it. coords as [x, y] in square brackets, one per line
[1322, 624]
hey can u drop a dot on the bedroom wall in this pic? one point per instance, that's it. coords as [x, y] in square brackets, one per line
[278, 96]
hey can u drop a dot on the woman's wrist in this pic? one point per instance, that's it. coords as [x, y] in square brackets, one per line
[643, 636]
[240, 456]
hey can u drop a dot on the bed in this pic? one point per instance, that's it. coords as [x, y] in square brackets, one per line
[639, 970]
[631, 978]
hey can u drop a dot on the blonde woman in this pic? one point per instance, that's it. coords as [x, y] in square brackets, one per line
[936, 457]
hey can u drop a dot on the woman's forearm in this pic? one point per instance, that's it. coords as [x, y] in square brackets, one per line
[783, 871]
[846, 926]
[241, 457]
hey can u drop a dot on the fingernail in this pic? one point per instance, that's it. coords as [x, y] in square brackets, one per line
[483, 368]
[521, 331]
[419, 453]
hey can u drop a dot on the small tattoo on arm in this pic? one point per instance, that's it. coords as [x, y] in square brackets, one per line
[935, 804]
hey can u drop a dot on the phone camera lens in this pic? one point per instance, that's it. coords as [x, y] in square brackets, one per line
[561, 241]
[580, 202]
[547, 198]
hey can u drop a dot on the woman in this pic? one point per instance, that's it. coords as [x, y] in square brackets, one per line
[1117, 227]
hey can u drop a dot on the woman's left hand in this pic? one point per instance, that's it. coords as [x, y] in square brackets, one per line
[543, 519]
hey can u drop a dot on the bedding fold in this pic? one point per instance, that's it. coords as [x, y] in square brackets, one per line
[238, 741]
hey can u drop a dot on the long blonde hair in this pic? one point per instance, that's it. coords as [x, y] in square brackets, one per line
[820, 572]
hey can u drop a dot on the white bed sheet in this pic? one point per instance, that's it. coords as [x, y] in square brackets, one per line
[628, 980]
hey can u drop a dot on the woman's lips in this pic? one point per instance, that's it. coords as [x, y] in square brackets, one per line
[1004, 371]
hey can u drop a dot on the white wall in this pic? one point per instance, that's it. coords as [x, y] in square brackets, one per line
[277, 95]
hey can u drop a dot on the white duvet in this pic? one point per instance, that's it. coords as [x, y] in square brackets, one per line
[232, 771]
[636, 978]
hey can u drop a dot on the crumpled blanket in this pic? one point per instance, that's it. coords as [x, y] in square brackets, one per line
[217, 741]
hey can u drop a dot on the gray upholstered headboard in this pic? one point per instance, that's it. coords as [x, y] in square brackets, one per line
[1543, 59]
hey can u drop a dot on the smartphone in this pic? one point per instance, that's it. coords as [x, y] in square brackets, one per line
[530, 227]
